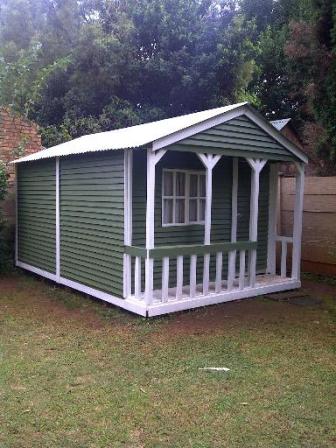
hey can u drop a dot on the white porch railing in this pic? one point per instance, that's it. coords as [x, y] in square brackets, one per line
[199, 270]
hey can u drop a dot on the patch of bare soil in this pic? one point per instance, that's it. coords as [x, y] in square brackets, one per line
[32, 300]
[252, 312]
[319, 289]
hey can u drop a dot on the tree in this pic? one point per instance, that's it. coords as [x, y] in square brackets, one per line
[85, 66]
[311, 49]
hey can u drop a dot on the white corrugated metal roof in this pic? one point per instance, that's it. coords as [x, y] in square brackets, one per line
[279, 124]
[131, 137]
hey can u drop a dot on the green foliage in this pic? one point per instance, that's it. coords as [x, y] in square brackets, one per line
[80, 66]
[6, 237]
[3, 181]
[90, 66]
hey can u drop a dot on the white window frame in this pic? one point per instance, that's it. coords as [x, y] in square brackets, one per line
[186, 197]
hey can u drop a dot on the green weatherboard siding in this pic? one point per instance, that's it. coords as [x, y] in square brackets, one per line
[238, 137]
[36, 190]
[92, 220]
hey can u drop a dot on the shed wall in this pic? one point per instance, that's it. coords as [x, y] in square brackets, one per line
[36, 196]
[92, 220]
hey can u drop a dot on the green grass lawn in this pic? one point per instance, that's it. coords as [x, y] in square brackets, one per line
[79, 373]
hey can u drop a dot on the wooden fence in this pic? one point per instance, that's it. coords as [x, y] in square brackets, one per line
[319, 221]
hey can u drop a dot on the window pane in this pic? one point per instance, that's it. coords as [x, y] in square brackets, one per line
[193, 185]
[168, 211]
[180, 184]
[193, 210]
[167, 183]
[202, 186]
[202, 210]
[179, 211]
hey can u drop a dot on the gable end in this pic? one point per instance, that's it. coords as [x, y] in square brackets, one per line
[240, 137]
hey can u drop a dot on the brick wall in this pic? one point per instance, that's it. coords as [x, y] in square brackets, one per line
[18, 137]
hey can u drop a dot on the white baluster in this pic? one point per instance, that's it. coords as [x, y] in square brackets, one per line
[206, 269]
[253, 266]
[127, 275]
[165, 278]
[242, 257]
[137, 277]
[219, 268]
[193, 264]
[231, 269]
[179, 276]
[283, 258]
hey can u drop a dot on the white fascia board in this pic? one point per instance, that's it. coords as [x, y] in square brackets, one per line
[197, 128]
[260, 121]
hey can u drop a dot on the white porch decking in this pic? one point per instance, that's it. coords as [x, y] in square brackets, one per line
[265, 284]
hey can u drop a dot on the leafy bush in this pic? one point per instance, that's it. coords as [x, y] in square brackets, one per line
[6, 232]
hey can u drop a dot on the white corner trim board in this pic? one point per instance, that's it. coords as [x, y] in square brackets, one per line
[58, 226]
[134, 307]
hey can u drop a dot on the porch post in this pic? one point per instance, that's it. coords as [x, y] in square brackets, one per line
[209, 161]
[297, 225]
[272, 217]
[152, 160]
[234, 205]
[128, 223]
[234, 218]
[256, 165]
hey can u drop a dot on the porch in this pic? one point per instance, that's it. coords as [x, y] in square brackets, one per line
[166, 278]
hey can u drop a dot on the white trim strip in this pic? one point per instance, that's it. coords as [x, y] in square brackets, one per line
[137, 308]
[16, 216]
[58, 227]
[127, 260]
[260, 121]
[169, 307]
[198, 127]
[37, 271]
